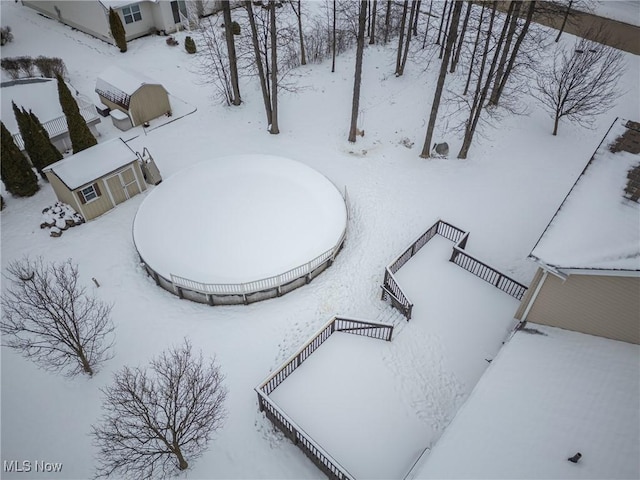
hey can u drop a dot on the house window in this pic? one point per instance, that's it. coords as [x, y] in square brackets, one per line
[132, 14]
[89, 193]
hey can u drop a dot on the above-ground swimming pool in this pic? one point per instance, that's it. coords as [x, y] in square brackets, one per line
[240, 229]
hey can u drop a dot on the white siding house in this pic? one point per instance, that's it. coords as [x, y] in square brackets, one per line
[139, 18]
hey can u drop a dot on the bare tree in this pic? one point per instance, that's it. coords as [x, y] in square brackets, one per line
[231, 49]
[48, 317]
[451, 38]
[475, 49]
[297, 9]
[405, 52]
[213, 60]
[159, 419]
[581, 83]
[465, 22]
[374, 11]
[403, 22]
[357, 78]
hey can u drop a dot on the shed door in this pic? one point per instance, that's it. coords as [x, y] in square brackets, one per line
[129, 183]
[115, 187]
[123, 185]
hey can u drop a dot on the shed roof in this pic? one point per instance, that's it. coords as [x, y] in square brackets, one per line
[544, 398]
[597, 227]
[118, 80]
[93, 163]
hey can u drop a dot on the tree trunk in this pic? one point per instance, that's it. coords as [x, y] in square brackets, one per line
[475, 49]
[303, 56]
[415, 20]
[403, 22]
[357, 80]
[426, 28]
[564, 21]
[481, 94]
[86, 366]
[372, 37]
[516, 49]
[446, 30]
[387, 21]
[333, 41]
[444, 14]
[231, 50]
[512, 18]
[555, 124]
[406, 44]
[426, 148]
[261, 73]
[465, 22]
[182, 463]
[274, 130]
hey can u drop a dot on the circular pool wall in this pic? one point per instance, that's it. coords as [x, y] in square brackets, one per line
[240, 229]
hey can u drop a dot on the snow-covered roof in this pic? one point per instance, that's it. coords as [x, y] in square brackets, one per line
[544, 398]
[596, 227]
[118, 80]
[39, 95]
[95, 162]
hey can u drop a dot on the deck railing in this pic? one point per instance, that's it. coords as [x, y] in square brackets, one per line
[391, 289]
[58, 125]
[282, 421]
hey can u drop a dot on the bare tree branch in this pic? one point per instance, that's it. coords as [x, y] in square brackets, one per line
[159, 419]
[49, 318]
[582, 82]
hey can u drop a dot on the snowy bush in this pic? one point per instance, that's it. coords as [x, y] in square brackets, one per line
[11, 66]
[60, 217]
[50, 66]
[5, 35]
[189, 45]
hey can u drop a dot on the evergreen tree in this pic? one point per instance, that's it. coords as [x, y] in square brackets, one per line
[81, 136]
[117, 30]
[15, 171]
[41, 151]
[23, 126]
[55, 153]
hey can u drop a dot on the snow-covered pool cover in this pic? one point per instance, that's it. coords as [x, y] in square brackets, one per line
[543, 399]
[596, 227]
[238, 219]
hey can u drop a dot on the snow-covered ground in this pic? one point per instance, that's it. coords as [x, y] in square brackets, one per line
[627, 11]
[504, 194]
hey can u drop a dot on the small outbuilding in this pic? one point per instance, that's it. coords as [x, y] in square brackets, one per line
[138, 96]
[97, 179]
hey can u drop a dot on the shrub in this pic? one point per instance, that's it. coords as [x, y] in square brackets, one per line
[189, 45]
[5, 35]
[235, 28]
[26, 65]
[11, 66]
[50, 67]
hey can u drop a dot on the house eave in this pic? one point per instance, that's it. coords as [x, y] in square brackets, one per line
[564, 272]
